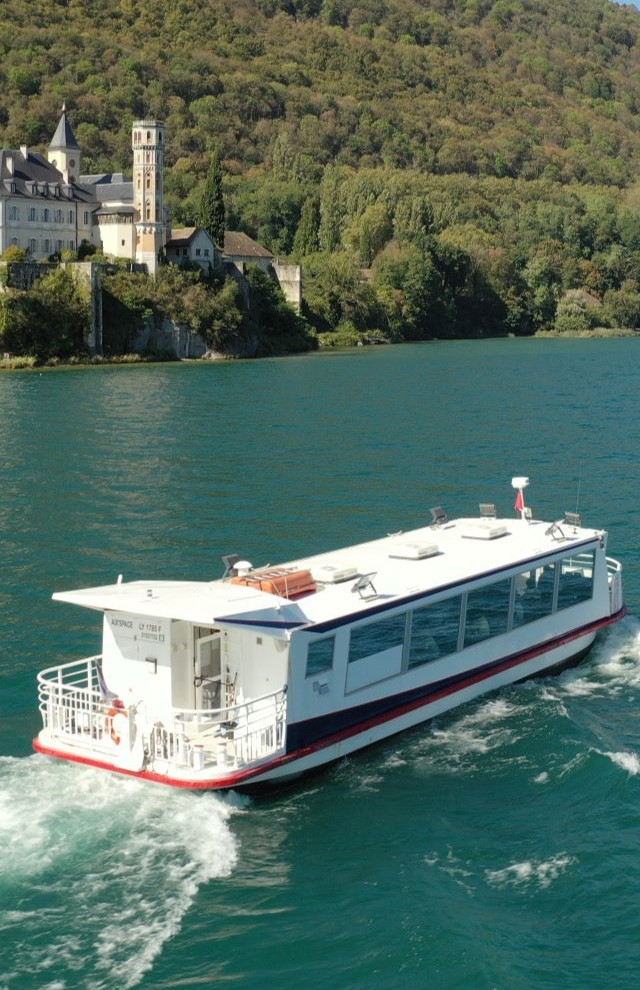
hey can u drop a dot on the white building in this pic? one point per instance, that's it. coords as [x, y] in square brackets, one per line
[47, 205]
[192, 244]
[43, 209]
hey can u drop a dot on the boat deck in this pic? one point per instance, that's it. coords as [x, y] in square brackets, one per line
[395, 567]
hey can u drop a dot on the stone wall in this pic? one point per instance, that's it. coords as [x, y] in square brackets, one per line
[89, 274]
[290, 280]
[22, 274]
[169, 338]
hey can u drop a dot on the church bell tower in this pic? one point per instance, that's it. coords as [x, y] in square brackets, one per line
[64, 153]
[147, 141]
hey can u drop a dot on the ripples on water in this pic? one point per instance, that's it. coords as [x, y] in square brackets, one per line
[496, 849]
[101, 872]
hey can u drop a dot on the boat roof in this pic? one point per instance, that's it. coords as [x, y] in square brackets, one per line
[401, 566]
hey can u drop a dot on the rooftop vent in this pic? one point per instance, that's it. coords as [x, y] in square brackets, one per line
[414, 551]
[484, 531]
[334, 573]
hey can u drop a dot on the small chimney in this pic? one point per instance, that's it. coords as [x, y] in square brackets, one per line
[24, 151]
[9, 163]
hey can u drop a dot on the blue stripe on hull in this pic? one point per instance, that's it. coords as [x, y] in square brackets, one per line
[313, 731]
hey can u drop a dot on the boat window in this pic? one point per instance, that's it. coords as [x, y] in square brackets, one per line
[576, 579]
[487, 611]
[534, 594]
[377, 636]
[320, 655]
[434, 631]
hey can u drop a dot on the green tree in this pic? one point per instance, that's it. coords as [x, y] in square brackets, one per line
[14, 253]
[335, 291]
[369, 233]
[212, 213]
[270, 211]
[330, 231]
[278, 326]
[413, 220]
[306, 238]
[622, 308]
[49, 320]
[572, 316]
[408, 285]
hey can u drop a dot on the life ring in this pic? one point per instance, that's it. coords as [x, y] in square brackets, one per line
[117, 722]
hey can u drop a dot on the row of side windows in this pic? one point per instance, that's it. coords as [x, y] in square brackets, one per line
[445, 627]
[47, 245]
[48, 216]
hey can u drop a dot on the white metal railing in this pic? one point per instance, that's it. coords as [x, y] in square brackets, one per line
[71, 706]
[244, 733]
[74, 712]
[614, 573]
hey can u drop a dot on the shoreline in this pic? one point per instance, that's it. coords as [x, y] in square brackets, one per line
[27, 363]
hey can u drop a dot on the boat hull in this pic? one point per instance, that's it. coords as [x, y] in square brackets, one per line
[317, 742]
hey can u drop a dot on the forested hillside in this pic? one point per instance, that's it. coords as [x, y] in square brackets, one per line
[488, 151]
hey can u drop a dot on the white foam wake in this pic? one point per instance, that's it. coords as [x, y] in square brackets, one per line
[613, 667]
[628, 761]
[101, 872]
[540, 873]
[476, 732]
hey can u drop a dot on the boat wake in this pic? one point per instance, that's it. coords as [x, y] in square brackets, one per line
[101, 872]
[627, 761]
[540, 873]
[525, 875]
[510, 731]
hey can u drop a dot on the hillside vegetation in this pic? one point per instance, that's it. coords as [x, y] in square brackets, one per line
[481, 156]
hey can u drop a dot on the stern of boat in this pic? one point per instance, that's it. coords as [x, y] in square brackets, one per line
[194, 748]
[614, 576]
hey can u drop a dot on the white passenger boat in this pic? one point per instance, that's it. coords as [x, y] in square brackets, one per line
[270, 672]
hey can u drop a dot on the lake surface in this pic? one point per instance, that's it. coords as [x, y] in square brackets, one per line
[495, 849]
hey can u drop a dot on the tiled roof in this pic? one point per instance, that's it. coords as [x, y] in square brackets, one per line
[237, 244]
[181, 236]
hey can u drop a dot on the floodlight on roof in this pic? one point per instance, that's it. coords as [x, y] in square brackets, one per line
[487, 510]
[438, 516]
[555, 531]
[573, 519]
[229, 560]
[365, 584]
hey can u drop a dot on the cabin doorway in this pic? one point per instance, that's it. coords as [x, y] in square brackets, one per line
[207, 670]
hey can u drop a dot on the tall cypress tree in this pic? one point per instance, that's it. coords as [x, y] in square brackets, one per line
[212, 216]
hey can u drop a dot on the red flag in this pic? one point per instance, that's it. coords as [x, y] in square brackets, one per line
[519, 506]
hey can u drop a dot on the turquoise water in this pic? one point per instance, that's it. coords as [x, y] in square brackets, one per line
[497, 848]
